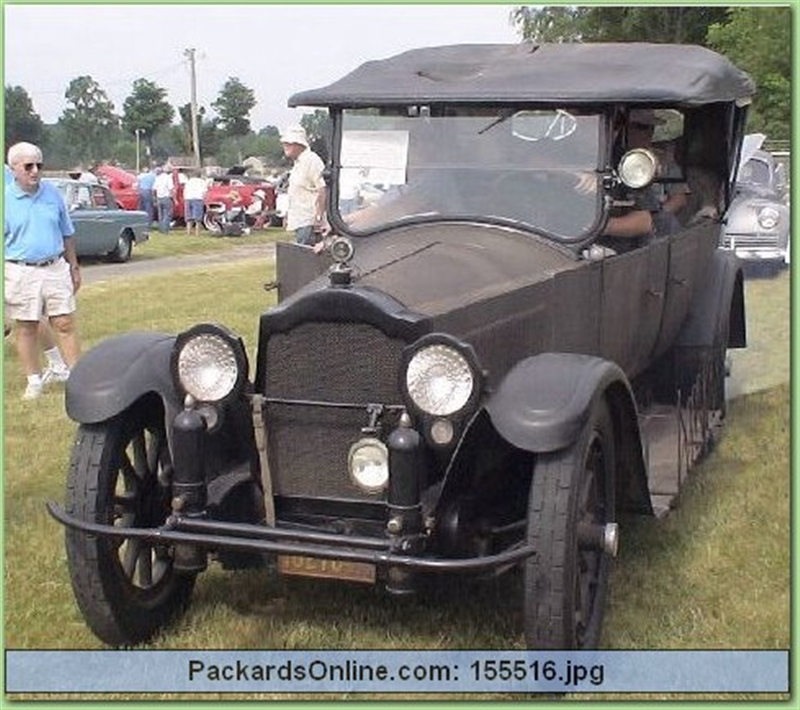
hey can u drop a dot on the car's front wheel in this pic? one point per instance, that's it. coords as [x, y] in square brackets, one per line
[126, 589]
[570, 513]
[211, 221]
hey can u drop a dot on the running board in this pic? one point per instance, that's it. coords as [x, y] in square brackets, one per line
[674, 440]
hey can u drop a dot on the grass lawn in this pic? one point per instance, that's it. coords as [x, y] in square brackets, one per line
[714, 574]
[178, 243]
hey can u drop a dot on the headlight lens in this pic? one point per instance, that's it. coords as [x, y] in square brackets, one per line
[368, 463]
[638, 168]
[439, 380]
[209, 363]
[768, 218]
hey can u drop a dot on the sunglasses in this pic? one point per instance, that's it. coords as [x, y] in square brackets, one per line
[30, 166]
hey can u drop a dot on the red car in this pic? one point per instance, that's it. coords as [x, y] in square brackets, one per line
[234, 190]
[124, 185]
[121, 183]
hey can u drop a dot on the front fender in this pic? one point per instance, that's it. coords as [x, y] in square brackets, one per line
[544, 401]
[117, 372]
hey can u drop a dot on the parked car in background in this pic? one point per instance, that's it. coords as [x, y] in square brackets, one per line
[121, 183]
[102, 228]
[233, 191]
[758, 222]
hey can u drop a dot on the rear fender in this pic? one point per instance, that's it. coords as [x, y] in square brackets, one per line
[717, 310]
[542, 406]
[117, 372]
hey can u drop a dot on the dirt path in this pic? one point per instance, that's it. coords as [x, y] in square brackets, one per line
[99, 271]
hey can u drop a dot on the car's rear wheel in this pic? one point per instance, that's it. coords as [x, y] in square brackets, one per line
[570, 517]
[122, 252]
[126, 589]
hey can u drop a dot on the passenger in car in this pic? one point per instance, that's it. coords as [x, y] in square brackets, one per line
[648, 212]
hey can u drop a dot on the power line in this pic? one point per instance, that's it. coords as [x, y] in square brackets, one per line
[160, 73]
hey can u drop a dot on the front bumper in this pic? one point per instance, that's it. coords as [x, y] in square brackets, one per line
[237, 537]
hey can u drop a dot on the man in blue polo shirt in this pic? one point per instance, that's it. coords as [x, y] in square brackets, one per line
[42, 274]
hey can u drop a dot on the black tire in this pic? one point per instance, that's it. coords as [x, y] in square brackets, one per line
[211, 222]
[126, 590]
[565, 585]
[122, 252]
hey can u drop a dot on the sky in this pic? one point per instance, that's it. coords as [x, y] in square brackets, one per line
[275, 50]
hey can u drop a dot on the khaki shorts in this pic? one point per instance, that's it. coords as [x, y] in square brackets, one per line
[33, 291]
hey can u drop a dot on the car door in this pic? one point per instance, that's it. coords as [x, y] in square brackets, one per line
[633, 293]
[104, 218]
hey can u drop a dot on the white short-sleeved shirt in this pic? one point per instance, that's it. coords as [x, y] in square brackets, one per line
[163, 186]
[305, 182]
[195, 189]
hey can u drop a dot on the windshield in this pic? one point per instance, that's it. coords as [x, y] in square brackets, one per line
[754, 171]
[523, 167]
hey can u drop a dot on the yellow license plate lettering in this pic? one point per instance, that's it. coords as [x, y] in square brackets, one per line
[330, 569]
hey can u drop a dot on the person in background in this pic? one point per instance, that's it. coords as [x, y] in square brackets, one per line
[257, 211]
[164, 189]
[145, 181]
[56, 370]
[41, 269]
[305, 215]
[194, 193]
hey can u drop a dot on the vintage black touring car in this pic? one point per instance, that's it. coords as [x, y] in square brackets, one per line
[478, 375]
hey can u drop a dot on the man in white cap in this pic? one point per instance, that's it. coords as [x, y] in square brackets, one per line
[305, 213]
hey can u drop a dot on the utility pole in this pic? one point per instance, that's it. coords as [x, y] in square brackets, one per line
[190, 53]
[138, 132]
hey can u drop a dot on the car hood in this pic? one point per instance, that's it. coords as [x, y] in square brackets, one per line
[436, 269]
[751, 144]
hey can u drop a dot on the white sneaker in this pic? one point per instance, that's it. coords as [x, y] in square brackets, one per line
[55, 374]
[33, 390]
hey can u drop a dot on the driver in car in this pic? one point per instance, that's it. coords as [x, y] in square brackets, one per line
[643, 213]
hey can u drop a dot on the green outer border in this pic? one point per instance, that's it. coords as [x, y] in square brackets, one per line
[437, 705]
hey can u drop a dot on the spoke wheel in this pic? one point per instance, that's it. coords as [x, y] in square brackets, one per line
[126, 589]
[566, 580]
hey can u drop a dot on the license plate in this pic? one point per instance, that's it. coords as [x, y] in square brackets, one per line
[329, 569]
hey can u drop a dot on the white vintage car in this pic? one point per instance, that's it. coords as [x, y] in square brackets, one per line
[758, 222]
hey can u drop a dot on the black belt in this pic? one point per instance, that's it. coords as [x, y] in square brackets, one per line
[43, 262]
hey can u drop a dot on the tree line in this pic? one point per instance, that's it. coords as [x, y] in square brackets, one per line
[757, 39]
[90, 131]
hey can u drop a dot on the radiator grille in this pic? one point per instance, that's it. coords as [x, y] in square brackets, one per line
[325, 362]
[751, 241]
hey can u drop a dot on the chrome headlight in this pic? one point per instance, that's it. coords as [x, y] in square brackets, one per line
[209, 363]
[440, 377]
[638, 168]
[342, 250]
[368, 463]
[768, 218]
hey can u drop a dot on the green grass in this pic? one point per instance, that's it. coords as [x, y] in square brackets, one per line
[714, 574]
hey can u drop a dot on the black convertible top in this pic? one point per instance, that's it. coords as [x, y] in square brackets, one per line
[525, 73]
